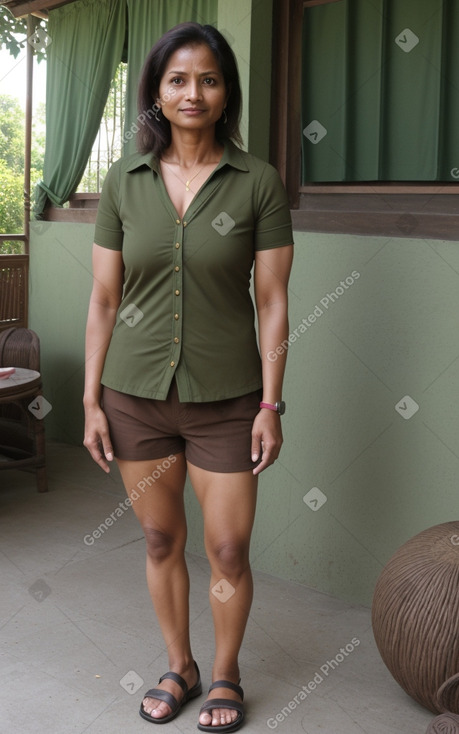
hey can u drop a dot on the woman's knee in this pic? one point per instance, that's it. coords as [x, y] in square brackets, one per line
[231, 557]
[160, 545]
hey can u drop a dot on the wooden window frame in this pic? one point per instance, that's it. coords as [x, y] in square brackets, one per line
[418, 210]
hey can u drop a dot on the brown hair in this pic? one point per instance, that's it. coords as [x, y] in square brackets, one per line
[155, 133]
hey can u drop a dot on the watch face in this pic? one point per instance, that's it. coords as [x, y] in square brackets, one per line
[280, 407]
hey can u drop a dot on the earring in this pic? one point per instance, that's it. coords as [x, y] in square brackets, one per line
[158, 119]
[225, 119]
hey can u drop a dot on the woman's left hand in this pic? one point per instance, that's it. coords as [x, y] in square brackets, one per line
[266, 438]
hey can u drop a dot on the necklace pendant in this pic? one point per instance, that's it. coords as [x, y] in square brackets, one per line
[187, 186]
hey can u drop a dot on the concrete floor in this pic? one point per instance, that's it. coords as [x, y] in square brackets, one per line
[80, 643]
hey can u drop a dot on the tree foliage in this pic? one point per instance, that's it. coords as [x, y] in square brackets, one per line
[13, 34]
[11, 200]
[12, 166]
[11, 133]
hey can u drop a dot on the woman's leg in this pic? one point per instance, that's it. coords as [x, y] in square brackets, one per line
[228, 504]
[160, 511]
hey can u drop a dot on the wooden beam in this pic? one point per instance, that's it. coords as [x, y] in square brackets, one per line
[31, 24]
[19, 8]
[379, 187]
[310, 3]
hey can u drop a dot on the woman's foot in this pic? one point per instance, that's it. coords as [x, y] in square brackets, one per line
[156, 708]
[222, 691]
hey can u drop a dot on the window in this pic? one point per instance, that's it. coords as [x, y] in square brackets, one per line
[107, 147]
[370, 144]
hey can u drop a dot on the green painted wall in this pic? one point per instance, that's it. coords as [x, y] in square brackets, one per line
[385, 476]
[247, 26]
[60, 286]
[390, 333]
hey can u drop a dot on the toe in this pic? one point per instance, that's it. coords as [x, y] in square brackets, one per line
[205, 718]
[226, 716]
[156, 709]
[218, 717]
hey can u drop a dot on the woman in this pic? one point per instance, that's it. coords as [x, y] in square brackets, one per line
[174, 377]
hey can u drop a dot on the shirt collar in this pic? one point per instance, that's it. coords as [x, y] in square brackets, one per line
[232, 156]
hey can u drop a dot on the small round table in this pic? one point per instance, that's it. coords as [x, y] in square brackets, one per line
[22, 382]
[22, 433]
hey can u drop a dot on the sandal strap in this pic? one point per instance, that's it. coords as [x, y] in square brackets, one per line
[222, 703]
[176, 678]
[227, 684]
[161, 695]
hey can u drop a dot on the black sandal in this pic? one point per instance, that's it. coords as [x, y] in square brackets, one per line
[160, 695]
[224, 703]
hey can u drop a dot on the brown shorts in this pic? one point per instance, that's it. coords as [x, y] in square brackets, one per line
[215, 436]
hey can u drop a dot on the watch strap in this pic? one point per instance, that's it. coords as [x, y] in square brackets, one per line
[270, 406]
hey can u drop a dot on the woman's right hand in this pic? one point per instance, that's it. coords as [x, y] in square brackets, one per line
[97, 437]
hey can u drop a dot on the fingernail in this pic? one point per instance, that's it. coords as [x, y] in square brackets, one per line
[254, 457]
[110, 456]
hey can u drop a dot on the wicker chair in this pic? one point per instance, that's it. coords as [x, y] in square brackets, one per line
[22, 434]
[14, 275]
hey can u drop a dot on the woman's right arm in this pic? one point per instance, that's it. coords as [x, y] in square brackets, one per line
[106, 294]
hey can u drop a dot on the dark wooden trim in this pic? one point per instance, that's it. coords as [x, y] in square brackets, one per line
[14, 291]
[76, 215]
[31, 24]
[19, 8]
[285, 133]
[382, 188]
[82, 208]
[419, 216]
[84, 201]
[13, 238]
[311, 3]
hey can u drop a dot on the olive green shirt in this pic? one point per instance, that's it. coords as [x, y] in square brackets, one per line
[186, 309]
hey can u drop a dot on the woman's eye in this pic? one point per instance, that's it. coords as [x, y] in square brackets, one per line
[209, 81]
[176, 80]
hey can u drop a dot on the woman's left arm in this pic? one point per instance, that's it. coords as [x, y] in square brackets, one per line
[272, 271]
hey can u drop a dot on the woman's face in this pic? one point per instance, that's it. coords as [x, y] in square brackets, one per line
[192, 92]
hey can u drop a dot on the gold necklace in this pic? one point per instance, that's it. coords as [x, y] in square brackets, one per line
[186, 183]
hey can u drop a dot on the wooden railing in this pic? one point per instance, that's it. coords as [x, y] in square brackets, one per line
[14, 289]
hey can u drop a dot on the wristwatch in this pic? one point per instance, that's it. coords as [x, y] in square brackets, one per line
[278, 407]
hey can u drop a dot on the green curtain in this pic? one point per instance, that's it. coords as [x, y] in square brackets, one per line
[87, 39]
[148, 20]
[380, 91]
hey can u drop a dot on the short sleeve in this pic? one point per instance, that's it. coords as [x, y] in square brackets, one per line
[273, 219]
[109, 229]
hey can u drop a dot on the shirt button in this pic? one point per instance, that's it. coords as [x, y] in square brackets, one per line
[172, 364]
[176, 268]
[177, 293]
[176, 339]
[184, 224]
[177, 245]
[177, 221]
[176, 316]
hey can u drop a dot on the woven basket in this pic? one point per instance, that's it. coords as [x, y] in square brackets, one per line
[415, 615]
